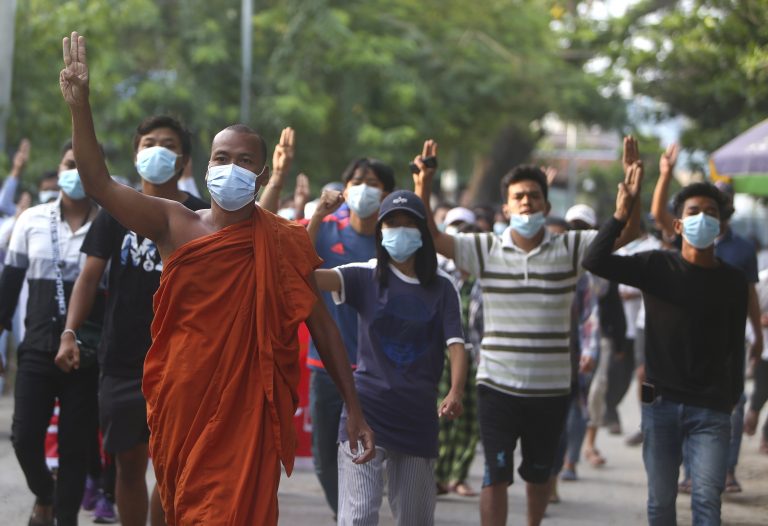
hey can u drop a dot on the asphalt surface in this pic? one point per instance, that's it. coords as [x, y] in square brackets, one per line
[613, 494]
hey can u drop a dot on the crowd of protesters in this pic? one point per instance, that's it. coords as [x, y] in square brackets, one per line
[158, 322]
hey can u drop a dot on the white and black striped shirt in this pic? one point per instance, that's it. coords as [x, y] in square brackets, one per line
[527, 299]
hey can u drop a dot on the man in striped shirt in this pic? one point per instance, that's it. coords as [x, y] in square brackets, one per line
[528, 277]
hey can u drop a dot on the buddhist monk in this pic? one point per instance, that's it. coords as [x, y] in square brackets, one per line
[220, 377]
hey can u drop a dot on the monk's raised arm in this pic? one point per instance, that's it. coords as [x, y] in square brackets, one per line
[145, 215]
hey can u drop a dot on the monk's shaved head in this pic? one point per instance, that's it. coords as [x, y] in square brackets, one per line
[243, 129]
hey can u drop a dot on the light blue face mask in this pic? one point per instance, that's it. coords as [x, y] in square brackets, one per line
[231, 186]
[701, 230]
[499, 227]
[46, 196]
[69, 182]
[156, 165]
[363, 200]
[527, 225]
[401, 242]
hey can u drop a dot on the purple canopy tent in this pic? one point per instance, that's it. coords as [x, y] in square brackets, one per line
[745, 161]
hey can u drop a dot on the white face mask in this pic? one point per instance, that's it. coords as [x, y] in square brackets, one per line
[232, 186]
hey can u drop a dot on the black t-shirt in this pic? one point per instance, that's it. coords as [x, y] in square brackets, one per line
[695, 320]
[134, 275]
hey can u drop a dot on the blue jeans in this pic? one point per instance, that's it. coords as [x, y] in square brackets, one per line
[734, 447]
[666, 426]
[325, 406]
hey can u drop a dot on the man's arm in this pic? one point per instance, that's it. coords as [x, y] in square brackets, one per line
[11, 281]
[599, 258]
[11, 184]
[753, 314]
[630, 157]
[147, 216]
[78, 309]
[451, 406]
[281, 165]
[330, 201]
[422, 183]
[664, 219]
[332, 352]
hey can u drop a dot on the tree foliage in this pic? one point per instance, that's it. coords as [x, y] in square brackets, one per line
[705, 59]
[353, 78]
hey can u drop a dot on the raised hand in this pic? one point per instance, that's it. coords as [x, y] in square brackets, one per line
[629, 190]
[551, 173]
[630, 154]
[22, 155]
[330, 201]
[283, 155]
[426, 169]
[668, 160]
[73, 79]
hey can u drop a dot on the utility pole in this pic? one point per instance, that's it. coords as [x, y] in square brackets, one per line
[7, 21]
[246, 39]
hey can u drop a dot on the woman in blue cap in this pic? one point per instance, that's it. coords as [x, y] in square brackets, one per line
[408, 312]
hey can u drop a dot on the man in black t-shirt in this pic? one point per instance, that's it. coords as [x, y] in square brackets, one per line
[696, 310]
[161, 149]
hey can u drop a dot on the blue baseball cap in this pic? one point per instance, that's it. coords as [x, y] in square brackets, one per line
[402, 200]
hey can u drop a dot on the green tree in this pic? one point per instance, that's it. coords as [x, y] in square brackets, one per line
[353, 78]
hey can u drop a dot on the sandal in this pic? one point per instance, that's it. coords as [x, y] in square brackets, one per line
[42, 515]
[684, 487]
[750, 422]
[442, 489]
[463, 489]
[732, 485]
[594, 457]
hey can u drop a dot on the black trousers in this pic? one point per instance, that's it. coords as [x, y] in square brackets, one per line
[620, 373]
[38, 384]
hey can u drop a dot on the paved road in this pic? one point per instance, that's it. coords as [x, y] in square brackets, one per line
[614, 494]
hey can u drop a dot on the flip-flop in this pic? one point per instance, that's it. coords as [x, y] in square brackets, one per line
[733, 486]
[463, 489]
[594, 457]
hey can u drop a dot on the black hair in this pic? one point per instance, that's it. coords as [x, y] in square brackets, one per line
[484, 212]
[557, 221]
[426, 257]
[524, 172]
[702, 190]
[382, 171]
[163, 121]
[47, 175]
[242, 128]
[68, 146]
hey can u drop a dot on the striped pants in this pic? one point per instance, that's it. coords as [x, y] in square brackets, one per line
[410, 488]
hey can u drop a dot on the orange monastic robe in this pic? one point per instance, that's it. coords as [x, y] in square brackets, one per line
[220, 378]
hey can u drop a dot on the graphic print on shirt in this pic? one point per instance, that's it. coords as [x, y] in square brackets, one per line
[144, 255]
[404, 328]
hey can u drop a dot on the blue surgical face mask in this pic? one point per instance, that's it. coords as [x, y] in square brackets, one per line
[401, 242]
[69, 182]
[156, 165]
[527, 225]
[364, 200]
[499, 227]
[231, 186]
[701, 230]
[46, 196]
